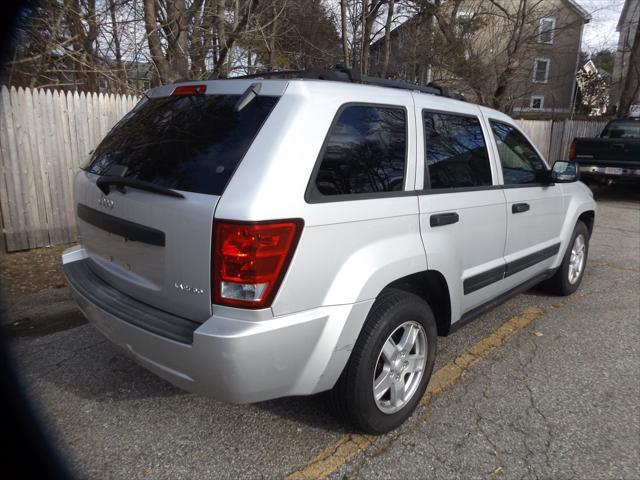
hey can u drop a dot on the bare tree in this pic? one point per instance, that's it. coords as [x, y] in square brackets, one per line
[387, 37]
[233, 37]
[120, 74]
[631, 85]
[370, 11]
[128, 45]
[486, 48]
[344, 33]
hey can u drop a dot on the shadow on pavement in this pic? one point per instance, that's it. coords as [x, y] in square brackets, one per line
[619, 193]
[40, 325]
[83, 363]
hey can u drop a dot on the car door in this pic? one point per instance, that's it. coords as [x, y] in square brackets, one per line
[462, 209]
[535, 206]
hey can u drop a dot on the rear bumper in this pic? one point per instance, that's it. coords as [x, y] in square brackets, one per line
[236, 360]
[618, 173]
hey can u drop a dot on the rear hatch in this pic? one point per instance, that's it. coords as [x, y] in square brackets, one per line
[146, 198]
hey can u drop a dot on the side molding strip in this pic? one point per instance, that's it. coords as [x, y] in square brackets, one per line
[520, 264]
[483, 279]
[480, 310]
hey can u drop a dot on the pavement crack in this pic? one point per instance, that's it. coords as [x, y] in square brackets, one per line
[480, 421]
[525, 367]
[74, 354]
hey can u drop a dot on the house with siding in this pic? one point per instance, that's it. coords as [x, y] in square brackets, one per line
[626, 67]
[542, 74]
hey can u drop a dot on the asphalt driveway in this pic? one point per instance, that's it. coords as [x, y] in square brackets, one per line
[558, 397]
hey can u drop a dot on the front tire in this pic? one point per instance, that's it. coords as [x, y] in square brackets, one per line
[390, 364]
[569, 276]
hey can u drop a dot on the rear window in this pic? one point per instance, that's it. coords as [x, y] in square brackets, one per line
[190, 143]
[622, 129]
[365, 152]
[455, 152]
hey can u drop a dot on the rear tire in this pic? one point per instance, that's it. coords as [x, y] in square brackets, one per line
[390, 364]
[569, 276]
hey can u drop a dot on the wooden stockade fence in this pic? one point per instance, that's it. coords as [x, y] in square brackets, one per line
[46, 135]
[553, 137]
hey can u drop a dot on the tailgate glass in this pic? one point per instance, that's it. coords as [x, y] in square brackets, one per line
[191, 143]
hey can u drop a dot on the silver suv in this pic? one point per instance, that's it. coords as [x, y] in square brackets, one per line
[256, 238]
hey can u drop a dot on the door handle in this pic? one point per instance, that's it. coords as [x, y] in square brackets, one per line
[440, 219]
[519, 207]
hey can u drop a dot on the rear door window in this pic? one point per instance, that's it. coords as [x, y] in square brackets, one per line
[455, 152]
[191, 143]
[365, 152]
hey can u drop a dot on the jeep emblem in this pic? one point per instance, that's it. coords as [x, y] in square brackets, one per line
[106, 202]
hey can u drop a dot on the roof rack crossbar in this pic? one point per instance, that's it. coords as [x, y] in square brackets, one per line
[352, 75]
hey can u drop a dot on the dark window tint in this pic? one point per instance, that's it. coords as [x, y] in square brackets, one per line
[456, 153]
[365, 152]
[520, 162]
[191, 143]
[622, 129]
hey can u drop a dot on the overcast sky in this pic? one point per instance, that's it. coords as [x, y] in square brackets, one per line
[601, 31]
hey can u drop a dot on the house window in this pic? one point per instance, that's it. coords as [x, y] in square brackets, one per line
[146, 84]
[537, 102]
[546, 30]
[541, 70]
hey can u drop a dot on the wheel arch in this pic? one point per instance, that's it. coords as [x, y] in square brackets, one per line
[588, 218]
[432, 287]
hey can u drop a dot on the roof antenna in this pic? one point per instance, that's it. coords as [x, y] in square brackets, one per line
[247, 97]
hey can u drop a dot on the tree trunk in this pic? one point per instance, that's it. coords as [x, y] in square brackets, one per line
[153, 39]
[120, 76]
[363, 35]
[178, 40]
[631, 86]
[345, 40]
[84, 58]
[272, 36]
[387, 38]
[503, 82]
[369, 16]
[240, 26]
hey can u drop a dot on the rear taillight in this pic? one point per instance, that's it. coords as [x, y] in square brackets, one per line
[572, 150]
[250, 260]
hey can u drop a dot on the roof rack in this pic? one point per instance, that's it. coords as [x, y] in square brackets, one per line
[338, 73]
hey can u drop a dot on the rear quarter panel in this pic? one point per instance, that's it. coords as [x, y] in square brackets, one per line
[349, 250]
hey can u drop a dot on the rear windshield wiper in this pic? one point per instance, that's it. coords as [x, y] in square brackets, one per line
[104, 183]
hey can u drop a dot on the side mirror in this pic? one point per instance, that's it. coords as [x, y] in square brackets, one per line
[565, 172]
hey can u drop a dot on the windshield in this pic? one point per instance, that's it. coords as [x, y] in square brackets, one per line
[190, 143]
[622, 129]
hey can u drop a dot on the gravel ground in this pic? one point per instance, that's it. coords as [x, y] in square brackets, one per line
[31, 271]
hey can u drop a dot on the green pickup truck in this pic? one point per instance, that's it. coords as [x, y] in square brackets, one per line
[614, 156]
